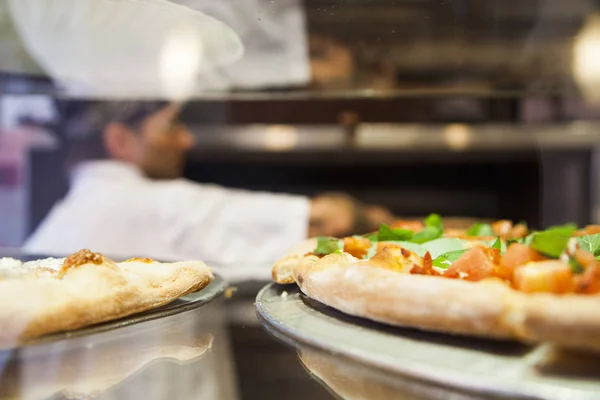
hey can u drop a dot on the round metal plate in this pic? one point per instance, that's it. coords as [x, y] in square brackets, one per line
[185, 303]
[485, 367]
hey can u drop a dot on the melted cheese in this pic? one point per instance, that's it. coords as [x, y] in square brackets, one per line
[9, 263]
[396, 258]
[54, 264]
[409, 262]
[11, 268]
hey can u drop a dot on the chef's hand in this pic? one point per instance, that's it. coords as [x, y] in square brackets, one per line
[377, 215]
[339, 215]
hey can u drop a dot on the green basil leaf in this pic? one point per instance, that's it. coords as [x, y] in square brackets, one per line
[452, 256]
[567, 229]
[527, 240]
[553, 242]
[428, 234]
[480, 230]
[387, 234]
[441, 246]
[576, 268]
[327, 245]
[435, 221]
[372, 237]
[447, 259]
[497, 244]
[441, 262]
[590, 243]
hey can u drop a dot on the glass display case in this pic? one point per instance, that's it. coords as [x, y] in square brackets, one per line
[476, 110]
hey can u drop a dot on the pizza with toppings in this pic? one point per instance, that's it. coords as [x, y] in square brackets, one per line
[54, 295]
[497, 280]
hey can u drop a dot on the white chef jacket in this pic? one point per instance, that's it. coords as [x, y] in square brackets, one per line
[113, 209]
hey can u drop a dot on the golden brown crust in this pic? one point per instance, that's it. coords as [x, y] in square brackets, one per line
[282, 270]
[82, 257]
[92, 293]
[569, 321]
[144, 260]
[487, 308]
[423, 302]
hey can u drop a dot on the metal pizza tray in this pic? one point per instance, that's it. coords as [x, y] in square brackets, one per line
[185, 303]
[487, 368]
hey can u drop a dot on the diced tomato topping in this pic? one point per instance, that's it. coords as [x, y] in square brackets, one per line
[476, 264]
[493, 254]
[451, 273]
[592, 229]
[551, 276]
[518, 231]
[426, 269]
[456, 233]
[587, 282]
[462, 234]
[502, 228]
[357, 246]
[585, 259]
[519, 254]
[415, 226]
[589, 230]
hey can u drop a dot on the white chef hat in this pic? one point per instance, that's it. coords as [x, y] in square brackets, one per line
[132, 49]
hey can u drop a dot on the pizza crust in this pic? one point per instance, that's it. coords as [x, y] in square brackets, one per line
[283, 269]
[571, 321]
[488, 308]
[424, 302]
[92, 293]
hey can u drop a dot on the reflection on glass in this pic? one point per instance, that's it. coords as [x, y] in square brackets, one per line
[281, 137]
[132, 49]
[181, 58]
[185, 356]
[457, 136]
[351, 381]
[586, 60]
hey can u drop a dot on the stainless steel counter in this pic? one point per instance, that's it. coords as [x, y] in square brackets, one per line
[216, 351]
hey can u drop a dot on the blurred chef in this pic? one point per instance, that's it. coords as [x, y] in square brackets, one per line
[127, 198]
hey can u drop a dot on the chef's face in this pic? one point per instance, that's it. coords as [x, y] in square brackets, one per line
[160, 143]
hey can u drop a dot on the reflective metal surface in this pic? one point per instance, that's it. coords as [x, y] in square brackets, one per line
[183, 304]
[347, 379]
[216, 351]
[181, 356]
[482, 368]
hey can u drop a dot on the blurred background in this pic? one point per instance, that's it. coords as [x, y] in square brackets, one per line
[483, 109]
[463, 107]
